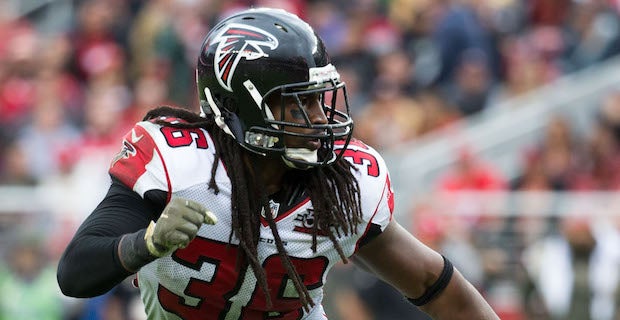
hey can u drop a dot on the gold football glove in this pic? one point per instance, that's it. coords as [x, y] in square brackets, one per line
[177, 226]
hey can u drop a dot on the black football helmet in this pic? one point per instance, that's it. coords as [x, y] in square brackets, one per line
[255, 54]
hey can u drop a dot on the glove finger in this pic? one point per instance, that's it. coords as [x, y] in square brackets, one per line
[179, 208]
[189, 228]
[193, 217]
[206, 215]
[177, 239]
[195, 206]
[210, 218]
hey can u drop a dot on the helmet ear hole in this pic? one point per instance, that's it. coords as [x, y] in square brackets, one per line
[229, 104]
[225, 102]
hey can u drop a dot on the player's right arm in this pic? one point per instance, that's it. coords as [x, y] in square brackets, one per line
[114, 241]
[120, 236]
[90, 265]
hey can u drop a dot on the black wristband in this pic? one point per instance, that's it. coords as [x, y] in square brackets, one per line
[440, 284]
[132, 251]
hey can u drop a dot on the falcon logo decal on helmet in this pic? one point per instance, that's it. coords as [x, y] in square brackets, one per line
[235, 42]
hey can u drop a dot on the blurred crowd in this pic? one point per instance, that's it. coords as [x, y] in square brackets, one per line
[546, 243]
[75, 75]
[542, 245]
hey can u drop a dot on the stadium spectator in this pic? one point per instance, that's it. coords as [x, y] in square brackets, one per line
[471, 174]
[602, 156]
[49, 132]
[468, 90]
[551, 164]
[28, 282]
[460, 28]
[525, 69]
[14, 170]
[576, 269]
[18, 72]
[390, 118]
[592, 33]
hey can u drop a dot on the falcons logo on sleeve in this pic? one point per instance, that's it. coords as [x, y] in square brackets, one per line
[235, 42]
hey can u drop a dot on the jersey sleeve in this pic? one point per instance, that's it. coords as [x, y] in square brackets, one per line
[164, 158]
[377, 195]
[139, 164]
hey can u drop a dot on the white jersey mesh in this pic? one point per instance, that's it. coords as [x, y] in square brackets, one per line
[202, 280]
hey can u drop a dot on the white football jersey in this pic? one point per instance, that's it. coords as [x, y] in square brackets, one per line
[202, 281]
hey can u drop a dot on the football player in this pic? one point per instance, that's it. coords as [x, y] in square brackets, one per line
[239, 212]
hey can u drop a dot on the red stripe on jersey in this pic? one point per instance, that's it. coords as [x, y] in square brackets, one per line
[390, 195]
[386, 187]
[168, 182]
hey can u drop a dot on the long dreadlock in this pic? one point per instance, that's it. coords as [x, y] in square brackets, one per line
[333, 189]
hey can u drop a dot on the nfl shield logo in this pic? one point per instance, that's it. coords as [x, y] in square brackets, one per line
[274, 206]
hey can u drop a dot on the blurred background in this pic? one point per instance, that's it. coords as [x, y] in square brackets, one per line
[499, 120]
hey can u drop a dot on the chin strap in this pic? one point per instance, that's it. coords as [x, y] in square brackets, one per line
[219, 119]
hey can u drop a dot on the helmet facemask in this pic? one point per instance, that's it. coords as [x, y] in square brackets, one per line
[269, 138]
[339, 125]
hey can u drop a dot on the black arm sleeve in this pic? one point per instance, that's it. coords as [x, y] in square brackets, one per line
[90, 265]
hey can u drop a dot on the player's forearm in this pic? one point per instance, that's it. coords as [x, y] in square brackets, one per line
[460, 300]
[90, 267]
[91, 264]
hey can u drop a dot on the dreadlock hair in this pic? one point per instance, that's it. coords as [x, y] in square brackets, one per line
[333, 189]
